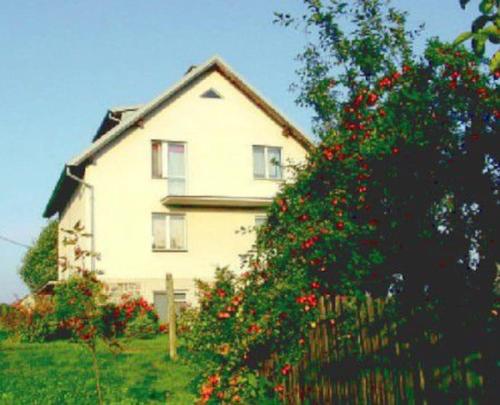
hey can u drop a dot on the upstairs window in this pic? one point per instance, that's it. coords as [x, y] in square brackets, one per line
[266, 162]
[169, 162]
[169, 232]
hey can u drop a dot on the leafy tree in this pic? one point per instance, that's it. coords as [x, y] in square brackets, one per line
[403, 183]
[39, 264]
[484, 29]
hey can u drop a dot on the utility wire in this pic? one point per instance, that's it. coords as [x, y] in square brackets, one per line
[14, 242]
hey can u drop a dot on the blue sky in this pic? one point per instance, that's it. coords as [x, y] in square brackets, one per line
[63, 63]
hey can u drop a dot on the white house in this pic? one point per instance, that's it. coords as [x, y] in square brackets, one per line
[164, 186]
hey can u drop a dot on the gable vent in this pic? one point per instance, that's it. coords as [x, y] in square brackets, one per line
[211, 93]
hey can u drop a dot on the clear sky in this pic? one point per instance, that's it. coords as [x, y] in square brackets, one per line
[63, 63]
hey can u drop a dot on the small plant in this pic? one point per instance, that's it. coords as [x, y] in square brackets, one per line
[80, 302]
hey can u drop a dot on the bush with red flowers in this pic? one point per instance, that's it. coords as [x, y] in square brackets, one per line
[405, 180]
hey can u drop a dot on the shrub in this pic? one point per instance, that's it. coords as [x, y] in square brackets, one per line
[37, 323]
[126, 318]
[142, 327]
[39, 264]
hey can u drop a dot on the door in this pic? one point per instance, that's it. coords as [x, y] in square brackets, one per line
[161, 305]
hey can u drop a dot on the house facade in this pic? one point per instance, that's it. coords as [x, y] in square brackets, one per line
[164, 187]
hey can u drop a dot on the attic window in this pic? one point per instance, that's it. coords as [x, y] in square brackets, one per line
[211, 93]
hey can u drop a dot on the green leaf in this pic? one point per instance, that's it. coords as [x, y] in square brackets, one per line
[464, 36]
[495, 62]
[479, 44]
[463, 3]
[486, 6]
[480, 22]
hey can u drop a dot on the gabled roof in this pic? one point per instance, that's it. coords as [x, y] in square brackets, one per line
[214, 63]
[118, 120]
[113, 117]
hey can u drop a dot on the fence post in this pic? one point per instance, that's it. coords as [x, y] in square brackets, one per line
[172, 336]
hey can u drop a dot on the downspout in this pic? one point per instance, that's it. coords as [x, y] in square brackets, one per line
[92, 219]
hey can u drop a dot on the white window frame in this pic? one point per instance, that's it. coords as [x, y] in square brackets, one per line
[266, 163]
[167, 232]
[164, 161]
[259, 217]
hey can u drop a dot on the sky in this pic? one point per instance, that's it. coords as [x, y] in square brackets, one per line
[63, 63]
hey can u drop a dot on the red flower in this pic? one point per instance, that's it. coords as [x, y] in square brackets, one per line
[395, 150]
[339, 225]
[328, 154]
[253, 329]
[283, 205]
[373, 222]
[482, 92]
[223, 315]
[372, 99]
[406, 68]
[279, 388]
[286, 369]
[309, 242]
[358, 100]
[315, 284]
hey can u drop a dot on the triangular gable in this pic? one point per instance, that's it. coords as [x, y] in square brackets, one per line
[211, 93]
[217, 64]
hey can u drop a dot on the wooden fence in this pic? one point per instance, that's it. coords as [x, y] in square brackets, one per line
[374, 363]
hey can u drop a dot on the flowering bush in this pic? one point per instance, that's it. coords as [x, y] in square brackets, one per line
[407, 157]
[36, 323]
[126, 318]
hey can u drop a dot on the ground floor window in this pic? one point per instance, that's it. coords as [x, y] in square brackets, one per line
[169, 231]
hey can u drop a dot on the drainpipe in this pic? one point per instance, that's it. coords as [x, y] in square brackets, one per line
[92, 220]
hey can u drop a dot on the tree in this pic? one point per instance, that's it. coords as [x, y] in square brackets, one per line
[404, 182]
[39, 264]
[484, 29]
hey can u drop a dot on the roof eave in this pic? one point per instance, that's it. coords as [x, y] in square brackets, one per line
[216, 62]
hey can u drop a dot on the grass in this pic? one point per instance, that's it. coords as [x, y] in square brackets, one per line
[61, 373]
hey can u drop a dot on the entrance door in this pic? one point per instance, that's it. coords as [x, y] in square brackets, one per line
[161, 305]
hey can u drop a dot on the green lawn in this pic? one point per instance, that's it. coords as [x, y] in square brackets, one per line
[61, 373]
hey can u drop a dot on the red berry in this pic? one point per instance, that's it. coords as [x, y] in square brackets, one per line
[340, 225]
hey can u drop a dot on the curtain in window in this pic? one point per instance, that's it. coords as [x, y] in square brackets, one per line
[177, 232]
[259, 162]
[156, 159]
[176, 169]
[159, 231]
[274, 163]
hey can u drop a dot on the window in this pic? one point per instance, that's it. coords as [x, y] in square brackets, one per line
[266, 162]
[169, 232]
[169, 161]
[260, 220]
[180, 295]
[211, 93]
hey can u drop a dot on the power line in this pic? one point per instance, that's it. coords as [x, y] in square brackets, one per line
[14, 242]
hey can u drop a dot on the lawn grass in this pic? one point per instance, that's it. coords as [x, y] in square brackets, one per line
[61, 373]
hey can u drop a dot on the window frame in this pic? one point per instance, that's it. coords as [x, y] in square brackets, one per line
[167, 216]
[164, 161]
[266, 162]
[259, 217]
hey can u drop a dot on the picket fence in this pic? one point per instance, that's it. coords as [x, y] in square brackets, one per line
[374, 364]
